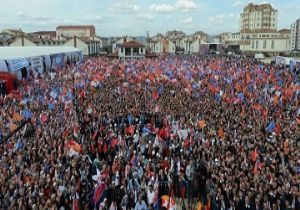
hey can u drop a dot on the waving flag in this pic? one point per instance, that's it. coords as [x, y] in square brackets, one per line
[51, 106]
[254, 155]
[168, 202]
[26, 114]
[221, 133]
[74, 147]
[99, 192]
[130, 130]
[270, 128]
[13, 127]
[44, 118]
[17, 117]
[201, 124]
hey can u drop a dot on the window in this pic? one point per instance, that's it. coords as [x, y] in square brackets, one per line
[272, 44]
[252, 44]
[257, 44]
[265, 44]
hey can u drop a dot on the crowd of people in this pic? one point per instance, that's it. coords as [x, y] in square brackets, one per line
[175, 132]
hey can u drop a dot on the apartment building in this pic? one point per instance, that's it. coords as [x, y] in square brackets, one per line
[76, 30]
[295, 36]
[258, 18]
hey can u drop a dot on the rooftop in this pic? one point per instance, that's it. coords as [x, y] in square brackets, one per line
[132, 44]
[75, 27]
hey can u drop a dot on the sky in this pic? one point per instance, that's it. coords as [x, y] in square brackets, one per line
[136, 17]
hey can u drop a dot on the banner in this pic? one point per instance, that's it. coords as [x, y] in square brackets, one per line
[3, 66]
[37, 64]
[16, 64]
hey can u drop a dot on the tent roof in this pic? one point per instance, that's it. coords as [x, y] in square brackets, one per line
[7, 53]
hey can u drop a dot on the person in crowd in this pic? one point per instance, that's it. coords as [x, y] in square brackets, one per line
[199, 131]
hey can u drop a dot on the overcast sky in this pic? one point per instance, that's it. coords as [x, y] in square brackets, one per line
[135, 17]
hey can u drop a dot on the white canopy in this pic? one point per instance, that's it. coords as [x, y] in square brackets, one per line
[8, 53]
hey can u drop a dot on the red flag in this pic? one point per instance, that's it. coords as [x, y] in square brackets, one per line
[256, 107]
[254, 155]
[44, 118]
[277, 129]
[99, 192]
[130, 130]
[65, 133]
[113, 143]
[75, 204]
[155, 95]
[75, 146]
[95, 135]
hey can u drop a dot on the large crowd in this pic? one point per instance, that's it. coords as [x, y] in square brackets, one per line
[176, 132]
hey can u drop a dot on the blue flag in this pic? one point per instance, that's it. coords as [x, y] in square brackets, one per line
[270, 127]
[50, 106]
[241, 96]
[26, 114]
[19, 145]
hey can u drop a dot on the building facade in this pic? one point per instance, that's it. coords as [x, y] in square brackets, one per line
[44, 34]
[6, 39]
[131, 50]
[76, 30]
[89, 46]
[269, 43]
[162, 46]
[258, 18]
[295, 36]
[30, 41]
[14, 32]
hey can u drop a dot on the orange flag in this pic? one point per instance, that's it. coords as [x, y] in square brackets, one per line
[75, 146]
[17, 117]
[275, 99]
[221, 133]
[201, 124]
[199, 205]
[13, 127]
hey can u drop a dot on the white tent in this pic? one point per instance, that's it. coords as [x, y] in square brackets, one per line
[7, 53]
[37, 58]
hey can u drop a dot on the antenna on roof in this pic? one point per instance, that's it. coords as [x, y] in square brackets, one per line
[148, 38]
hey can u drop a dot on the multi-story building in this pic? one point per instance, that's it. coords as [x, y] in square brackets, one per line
[192, 43]
[6, 39]
[44, 34]
[14, 32]
[175, 37]
[258, 31]
[295, 36]
[271, 43]
[258, 18]
[76, 30]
